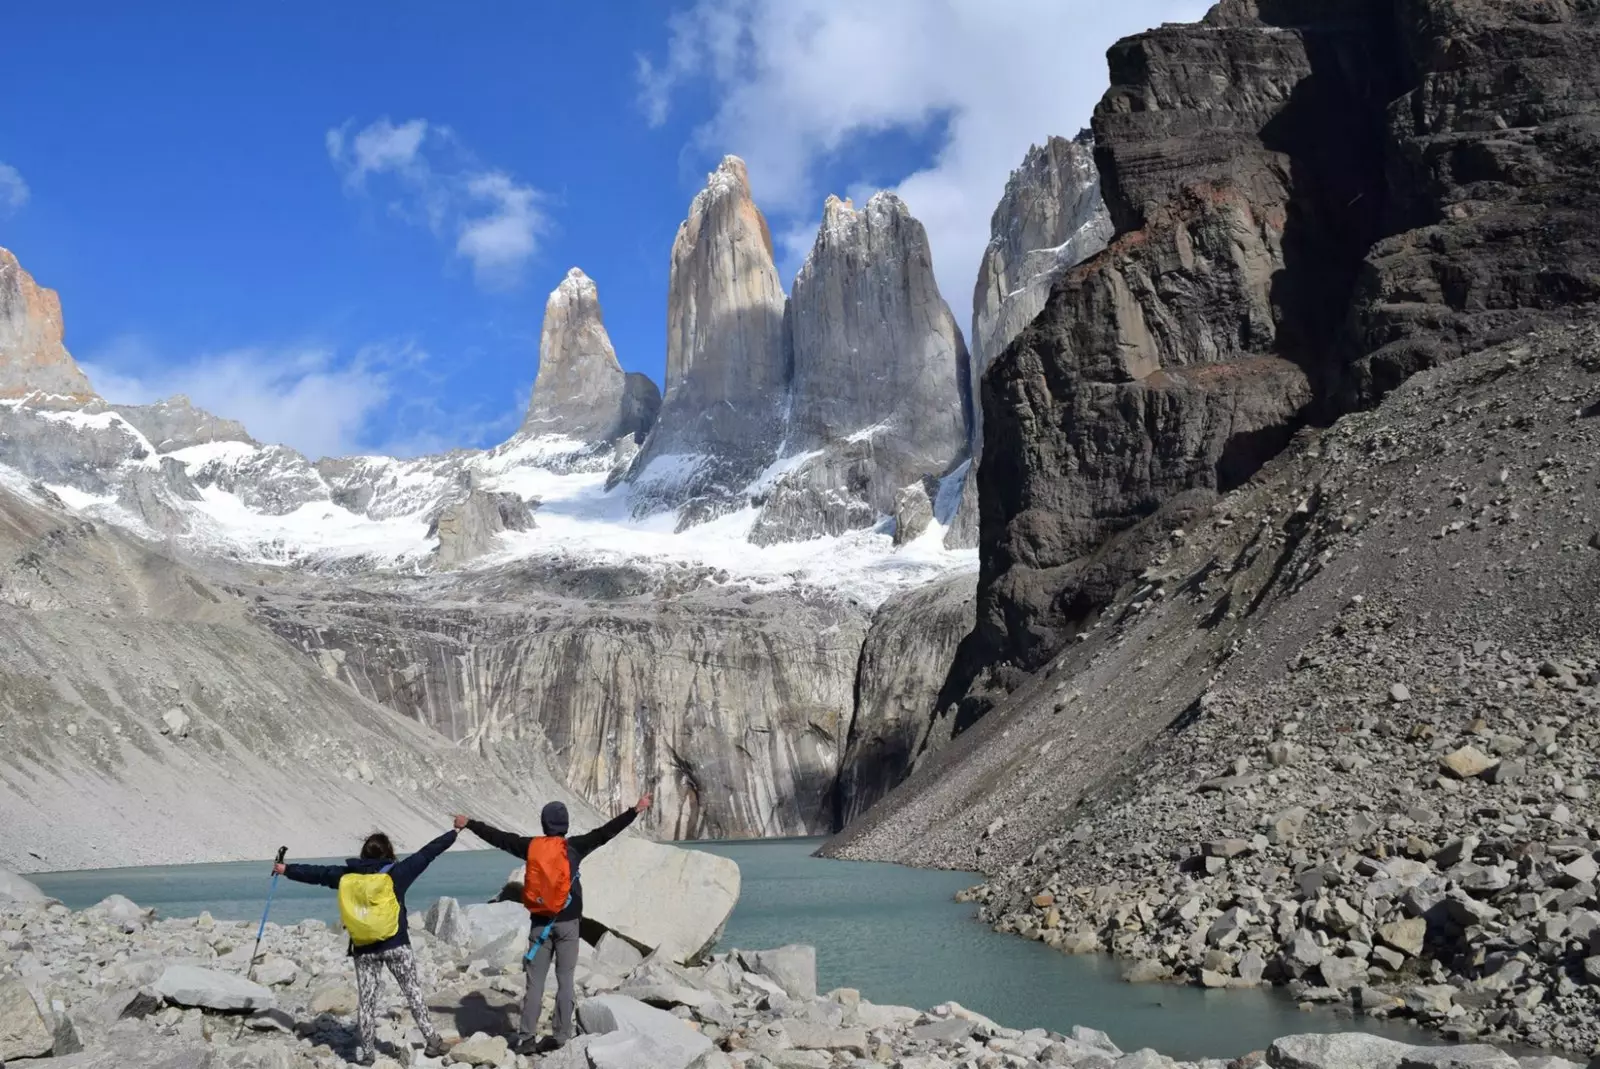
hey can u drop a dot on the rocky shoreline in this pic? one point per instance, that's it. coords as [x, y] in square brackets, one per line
[114, 986]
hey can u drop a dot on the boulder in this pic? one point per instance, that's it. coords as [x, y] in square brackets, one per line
[208, 989]
[122, 912]
[493, 921]
[447, 922]
[793, 968]
[337, 999]
[809, 1035]
[1404, 935]
[1342, 1050]
[479, 1049]
[615, 955]
[663, 899]
[1466, 762]
[14, 888]
[24, 1033]
[1477, 1056]
[632, 1035]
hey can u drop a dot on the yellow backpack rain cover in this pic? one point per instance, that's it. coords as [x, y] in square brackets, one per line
[368, 906]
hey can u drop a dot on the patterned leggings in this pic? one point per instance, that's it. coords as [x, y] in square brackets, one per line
[369, 985]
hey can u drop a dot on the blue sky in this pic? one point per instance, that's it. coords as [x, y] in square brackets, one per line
[339, 222]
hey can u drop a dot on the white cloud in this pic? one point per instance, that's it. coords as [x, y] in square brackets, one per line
[495, 222]
[13, 190]
[499, 242]
[796, 81]
[307, 397]
[381, 146]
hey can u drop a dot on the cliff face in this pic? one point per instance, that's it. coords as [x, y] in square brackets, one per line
[1050, 218]
[33, 359]
[879, 385]
[581, 391]
[727, 362]
[734, 709]
[1311, 202]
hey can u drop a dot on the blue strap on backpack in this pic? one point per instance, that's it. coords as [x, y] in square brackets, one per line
[538, 942]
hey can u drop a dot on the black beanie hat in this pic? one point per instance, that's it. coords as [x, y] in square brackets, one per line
[554, 818]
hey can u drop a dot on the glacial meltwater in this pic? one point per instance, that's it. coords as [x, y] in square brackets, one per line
[896, 934]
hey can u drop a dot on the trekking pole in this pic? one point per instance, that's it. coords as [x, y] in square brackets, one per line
[250, 970]
[271, 888]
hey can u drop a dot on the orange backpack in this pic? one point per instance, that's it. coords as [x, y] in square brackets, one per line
[547, 883]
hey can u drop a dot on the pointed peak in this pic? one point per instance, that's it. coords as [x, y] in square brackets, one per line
[835, 207]
[575, 284]
[730, 177]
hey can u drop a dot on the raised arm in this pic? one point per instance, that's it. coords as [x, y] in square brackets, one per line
[516, 845]
[321, 875]
[590, 841]
[408, 869]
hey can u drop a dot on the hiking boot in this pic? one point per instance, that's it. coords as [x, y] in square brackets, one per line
[436, 1047]
[549, 1044]
[365, 1057]
[527, 1046]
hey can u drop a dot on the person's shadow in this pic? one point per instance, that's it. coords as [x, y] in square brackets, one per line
[487, 1011]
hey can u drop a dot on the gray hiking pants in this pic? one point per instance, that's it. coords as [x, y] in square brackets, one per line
[561, 944]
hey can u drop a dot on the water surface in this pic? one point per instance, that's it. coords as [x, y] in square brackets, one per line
[894, 933]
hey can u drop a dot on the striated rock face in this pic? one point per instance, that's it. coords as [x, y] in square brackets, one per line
[581, 391]
[1050, 218]
[727, 365]
[879, 382]
[908, 648]
[32, 357]
[734, 708]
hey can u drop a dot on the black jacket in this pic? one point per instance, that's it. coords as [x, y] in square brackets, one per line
[403, 872]
[578, 848]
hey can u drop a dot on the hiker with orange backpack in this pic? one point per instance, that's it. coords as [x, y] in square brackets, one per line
[553, 894]
[372, 907]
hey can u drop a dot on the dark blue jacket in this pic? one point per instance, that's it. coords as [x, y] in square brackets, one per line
[403, 872]
[578, 848]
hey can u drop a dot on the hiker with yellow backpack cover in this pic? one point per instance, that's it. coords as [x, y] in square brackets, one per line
[372, 907]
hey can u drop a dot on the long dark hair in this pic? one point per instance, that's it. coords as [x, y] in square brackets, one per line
[377, 848]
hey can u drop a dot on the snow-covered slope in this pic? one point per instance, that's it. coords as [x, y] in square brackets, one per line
[269, 504]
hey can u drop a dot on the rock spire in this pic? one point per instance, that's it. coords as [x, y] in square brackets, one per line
[726, 359]
[33, 359]
[581, 391]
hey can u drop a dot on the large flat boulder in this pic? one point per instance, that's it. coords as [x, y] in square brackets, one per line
[631, 1035]
[14, 888]
[491, 922]
[1342, 1050]
[660, 898]
[208, 989]
[24, 1033]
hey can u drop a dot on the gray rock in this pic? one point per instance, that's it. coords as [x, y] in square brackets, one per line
[1344, 1050]
[14, 888]
[807, 1035]
[190, 985]
[1471, 1057]
[793, 968]
[123, 912]
[24, 1033]
[1343, 973]
[447, 922]
[466, 528]
[631, 1035]
[616, 955]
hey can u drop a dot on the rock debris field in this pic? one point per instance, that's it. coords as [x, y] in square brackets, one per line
[113, 986]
